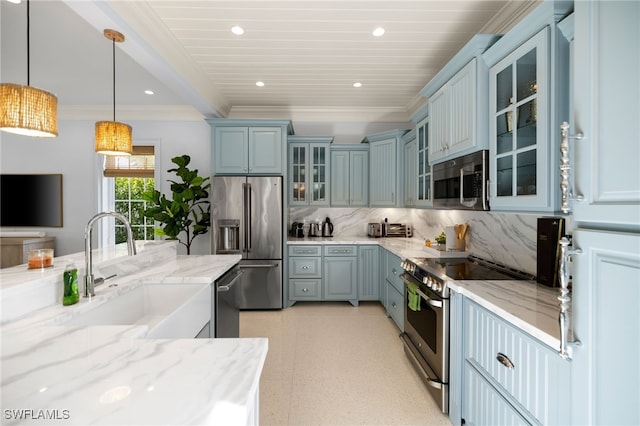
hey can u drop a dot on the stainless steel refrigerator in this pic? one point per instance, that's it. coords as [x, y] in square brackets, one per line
[246, 218]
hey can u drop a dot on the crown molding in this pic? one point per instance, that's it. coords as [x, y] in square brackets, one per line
[510, 14]
[322, 114]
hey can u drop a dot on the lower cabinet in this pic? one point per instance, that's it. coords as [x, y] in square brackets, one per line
[368, 273]
[394, 289]
[508, 377]
[328, 272]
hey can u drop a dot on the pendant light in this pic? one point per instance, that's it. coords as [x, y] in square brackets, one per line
[112, 137]
[26, 110]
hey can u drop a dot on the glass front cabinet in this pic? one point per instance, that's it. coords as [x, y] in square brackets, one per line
[423, 196]
[527, 99]
[309, 170]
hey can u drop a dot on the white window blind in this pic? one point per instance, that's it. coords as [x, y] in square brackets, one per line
[141, 164]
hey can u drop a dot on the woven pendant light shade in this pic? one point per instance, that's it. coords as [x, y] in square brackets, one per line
[25, 110]
[113, 138]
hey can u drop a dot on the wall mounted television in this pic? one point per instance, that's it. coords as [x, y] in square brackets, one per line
[33, 200]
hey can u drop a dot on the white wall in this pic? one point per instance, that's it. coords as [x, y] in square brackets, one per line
[72, 154]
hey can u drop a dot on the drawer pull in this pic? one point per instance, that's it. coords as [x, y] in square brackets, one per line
[393, 305]
[305, 290]
[305, 267]
[504, 360]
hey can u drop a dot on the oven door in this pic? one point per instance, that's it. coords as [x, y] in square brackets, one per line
[429, 329]
[426, 341]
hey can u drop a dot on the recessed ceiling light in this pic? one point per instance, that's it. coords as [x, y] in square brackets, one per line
[378, 32]
[260, 83]
[237, 30]
[149, 92]
[357, 84]
[15, 1]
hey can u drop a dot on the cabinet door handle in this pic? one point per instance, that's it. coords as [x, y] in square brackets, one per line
[565, 298]
[566, 185]
[504, 360]
[393, 305]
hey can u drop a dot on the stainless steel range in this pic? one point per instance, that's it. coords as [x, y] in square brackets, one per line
[426, 323]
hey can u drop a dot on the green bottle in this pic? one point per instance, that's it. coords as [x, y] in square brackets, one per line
[70, 281]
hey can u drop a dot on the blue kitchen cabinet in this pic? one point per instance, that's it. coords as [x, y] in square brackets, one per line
[340, 275]
[368, 272]
[606, 274]
[309, 170]
[304, 276]
[456, 357]
[245, 147]
[394, 288]
[509, 375]
[410, 168]
[424, 183]
[349, 176]
[458, 94]
[528, 99]
[385, 161]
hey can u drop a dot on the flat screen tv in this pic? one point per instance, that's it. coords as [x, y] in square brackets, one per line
[31, 200]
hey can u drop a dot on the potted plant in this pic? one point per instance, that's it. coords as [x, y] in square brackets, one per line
[189, 211]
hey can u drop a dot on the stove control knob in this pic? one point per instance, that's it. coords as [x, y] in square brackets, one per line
[437, 286]
[425, 280]
[430, 282]
[413, 268]
[403, 264]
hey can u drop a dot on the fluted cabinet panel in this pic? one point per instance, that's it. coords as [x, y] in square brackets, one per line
[368, 273]
[383, 173]
[531, 375]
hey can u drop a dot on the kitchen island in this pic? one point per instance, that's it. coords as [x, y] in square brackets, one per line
[56, 372]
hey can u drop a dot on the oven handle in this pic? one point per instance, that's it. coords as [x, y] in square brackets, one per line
[430, 301]
[431, 382]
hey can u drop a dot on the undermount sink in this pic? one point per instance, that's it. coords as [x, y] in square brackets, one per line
[168, 310]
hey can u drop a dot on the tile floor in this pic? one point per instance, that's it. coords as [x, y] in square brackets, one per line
[335, 364]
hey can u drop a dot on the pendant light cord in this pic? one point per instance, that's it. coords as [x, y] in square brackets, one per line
[28, 53]
[114, 78]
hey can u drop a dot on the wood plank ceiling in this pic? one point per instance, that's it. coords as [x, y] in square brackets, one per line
[309, 53]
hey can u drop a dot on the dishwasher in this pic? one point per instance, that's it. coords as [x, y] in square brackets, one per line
[225, 311]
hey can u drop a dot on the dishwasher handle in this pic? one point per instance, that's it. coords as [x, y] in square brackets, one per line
[227, 287]
[268, 265]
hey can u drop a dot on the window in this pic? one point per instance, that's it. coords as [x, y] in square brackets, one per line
[133, 176]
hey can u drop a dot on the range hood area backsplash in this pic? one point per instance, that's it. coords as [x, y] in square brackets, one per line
[506, 238]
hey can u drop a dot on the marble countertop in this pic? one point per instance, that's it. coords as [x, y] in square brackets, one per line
[527, 305]
[403, 247]
[114, 375]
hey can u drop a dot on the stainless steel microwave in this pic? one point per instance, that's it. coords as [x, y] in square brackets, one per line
[461, 183]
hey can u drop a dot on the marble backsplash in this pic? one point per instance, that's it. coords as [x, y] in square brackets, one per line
[505, 238]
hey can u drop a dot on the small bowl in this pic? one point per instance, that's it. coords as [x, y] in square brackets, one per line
[40, 258]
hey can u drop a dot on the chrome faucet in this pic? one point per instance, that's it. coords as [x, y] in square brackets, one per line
[89, 281]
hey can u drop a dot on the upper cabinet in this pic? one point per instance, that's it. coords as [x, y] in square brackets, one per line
[385, 156]
[606, 94]
[350, 175]
[248, 146]
[309, 170]
[528, 99]
[457, 94]
[409, 169]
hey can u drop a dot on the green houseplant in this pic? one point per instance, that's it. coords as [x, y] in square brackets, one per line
[189, 211]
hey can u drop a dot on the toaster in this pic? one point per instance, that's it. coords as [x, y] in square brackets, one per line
[375, 229]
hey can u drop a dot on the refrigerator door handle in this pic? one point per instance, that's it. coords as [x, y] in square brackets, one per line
[244, 218]
[248, 215]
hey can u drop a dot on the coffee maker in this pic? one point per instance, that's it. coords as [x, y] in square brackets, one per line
[297, 230]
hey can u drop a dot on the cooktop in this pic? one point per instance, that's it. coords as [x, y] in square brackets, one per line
[470, 268]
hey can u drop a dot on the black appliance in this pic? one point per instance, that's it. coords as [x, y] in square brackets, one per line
[297, 230]
[461, 183]
[426, 331]
[550, 231]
